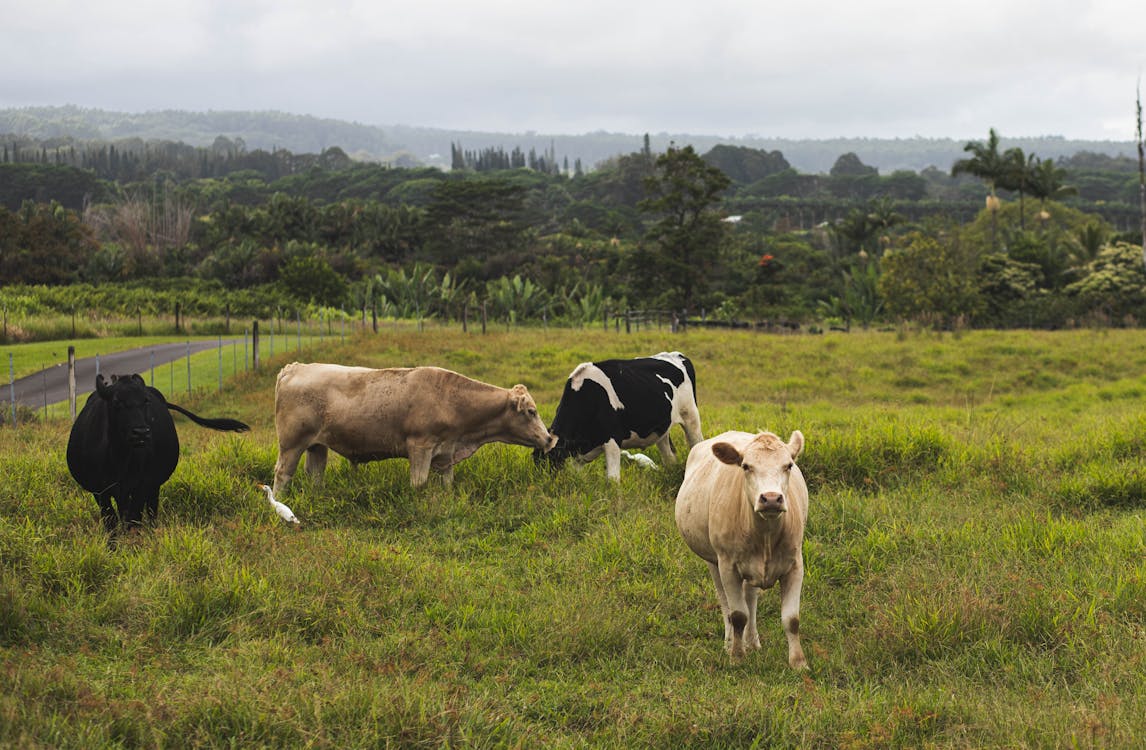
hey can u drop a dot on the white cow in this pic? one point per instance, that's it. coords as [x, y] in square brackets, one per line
[742, 508]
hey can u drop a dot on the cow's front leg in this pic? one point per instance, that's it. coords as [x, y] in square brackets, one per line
[790, 586]
[737, 607]
[420, 458]
[150, 503]
[664, 445]
[751, 634]
[107, 514]
[131, 511]
[285, 467]
[714, 571]
[613, 460]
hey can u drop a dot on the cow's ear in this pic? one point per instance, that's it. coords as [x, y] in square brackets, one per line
[796, 444]
[138, 378]
[102, 387]
[726, 454]
[517, 396]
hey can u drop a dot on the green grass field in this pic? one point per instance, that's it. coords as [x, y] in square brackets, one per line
[975, 553]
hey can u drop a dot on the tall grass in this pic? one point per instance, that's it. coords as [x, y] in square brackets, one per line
[976, 567]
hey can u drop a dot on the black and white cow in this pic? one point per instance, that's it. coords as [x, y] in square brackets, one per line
[123, 447]
[624, 403]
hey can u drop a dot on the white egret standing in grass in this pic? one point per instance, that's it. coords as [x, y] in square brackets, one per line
[284, 512]
[640, 459]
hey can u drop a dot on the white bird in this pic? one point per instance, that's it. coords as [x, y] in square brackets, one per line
[284, 512]
[640, 459]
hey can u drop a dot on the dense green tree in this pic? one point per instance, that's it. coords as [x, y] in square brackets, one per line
[475, 219]
[903, 185]
[1114, 284]
[931, 280]
[849, 165]
[745, 165]
[687, 231]
[43, 243]
[791, 273]
[1004, 284]
[309, 277]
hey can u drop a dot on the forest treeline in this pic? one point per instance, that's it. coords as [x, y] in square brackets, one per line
[735, 233]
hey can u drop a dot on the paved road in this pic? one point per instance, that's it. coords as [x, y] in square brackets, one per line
[31, 390]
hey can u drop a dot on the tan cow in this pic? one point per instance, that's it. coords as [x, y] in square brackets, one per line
[742, 507]
[432, 416]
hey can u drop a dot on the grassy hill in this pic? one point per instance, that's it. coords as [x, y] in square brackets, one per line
[976, 557]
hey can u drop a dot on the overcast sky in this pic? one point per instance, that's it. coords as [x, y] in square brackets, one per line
[793, 69]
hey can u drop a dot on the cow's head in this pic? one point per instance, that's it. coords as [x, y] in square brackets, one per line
[527, 424]
[130, 411]
[555, 456]
[767, 464]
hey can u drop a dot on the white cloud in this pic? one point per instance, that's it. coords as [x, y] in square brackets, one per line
[816, 68]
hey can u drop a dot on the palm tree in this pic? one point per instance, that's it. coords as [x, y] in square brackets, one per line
[1017, 177]
[1048, 181]
[988, 165]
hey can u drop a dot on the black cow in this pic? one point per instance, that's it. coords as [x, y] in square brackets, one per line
[624, 403]
[123, 447]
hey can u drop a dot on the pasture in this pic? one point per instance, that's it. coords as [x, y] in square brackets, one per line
[975, 555]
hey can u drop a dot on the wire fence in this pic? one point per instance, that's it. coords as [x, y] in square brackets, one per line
[181, 368]
[177, 368]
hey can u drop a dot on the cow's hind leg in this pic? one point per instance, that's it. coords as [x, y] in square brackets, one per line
[316, 456]
[690, 421]
[790, 586]
[664, 445]
[447, 475]
[613, 460]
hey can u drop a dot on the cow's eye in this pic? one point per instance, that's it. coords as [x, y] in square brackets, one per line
[789, 466]
[746, 467]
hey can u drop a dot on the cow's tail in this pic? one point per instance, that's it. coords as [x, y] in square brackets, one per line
[222, 423]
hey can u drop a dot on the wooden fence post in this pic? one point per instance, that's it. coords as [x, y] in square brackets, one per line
[255, 342]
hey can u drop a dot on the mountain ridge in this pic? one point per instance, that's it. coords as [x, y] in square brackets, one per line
[302, 133]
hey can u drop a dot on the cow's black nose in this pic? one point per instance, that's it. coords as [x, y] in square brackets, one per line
[770, 502]
[140, 434]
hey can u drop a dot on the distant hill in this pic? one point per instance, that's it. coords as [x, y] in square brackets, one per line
[431, 146]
